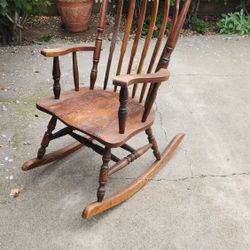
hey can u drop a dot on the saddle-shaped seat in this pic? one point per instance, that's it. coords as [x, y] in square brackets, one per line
[94, 112]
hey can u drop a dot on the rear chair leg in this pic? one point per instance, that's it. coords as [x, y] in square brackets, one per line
[47, 137]
[152, 140]
[103, 174]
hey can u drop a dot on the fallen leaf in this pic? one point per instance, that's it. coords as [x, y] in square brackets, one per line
[14, 192]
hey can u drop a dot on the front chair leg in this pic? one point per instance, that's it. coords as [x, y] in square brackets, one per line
[47, 137]
[103, 174]
[152, 140]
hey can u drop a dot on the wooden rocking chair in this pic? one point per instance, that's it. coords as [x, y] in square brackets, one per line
[109, 117]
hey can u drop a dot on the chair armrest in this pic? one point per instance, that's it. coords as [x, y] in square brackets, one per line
[65, 50]
[126, 80]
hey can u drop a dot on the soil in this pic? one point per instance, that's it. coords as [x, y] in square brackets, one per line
[49, 29]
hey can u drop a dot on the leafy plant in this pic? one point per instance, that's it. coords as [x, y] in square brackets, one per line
[199, 25]
[234, 23]
[45, 38]
[13, 16]
[195, 7]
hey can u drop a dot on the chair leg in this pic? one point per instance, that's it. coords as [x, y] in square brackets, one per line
[47, 137]
[103, 174]
[152, 140]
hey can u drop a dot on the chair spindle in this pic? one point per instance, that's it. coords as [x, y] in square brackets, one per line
[114, 39]
[158, 44]
[142, 13]
[75, 71]
[98, 43]
[126, 37]
[122, 113]
[56, 72]
[153, 18]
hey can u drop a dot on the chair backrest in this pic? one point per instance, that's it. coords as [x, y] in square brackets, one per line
[157, 59]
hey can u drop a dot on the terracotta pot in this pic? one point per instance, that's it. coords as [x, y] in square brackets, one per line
[75, 14]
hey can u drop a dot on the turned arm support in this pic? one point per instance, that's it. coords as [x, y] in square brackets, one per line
[66, 50]
[125, 80]
[56, 72]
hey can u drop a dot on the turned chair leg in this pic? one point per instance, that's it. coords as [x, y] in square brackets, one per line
[152, 140]
[103, 173]
[47, 137]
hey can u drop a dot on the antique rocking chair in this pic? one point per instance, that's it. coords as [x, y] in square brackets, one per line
[109, 117]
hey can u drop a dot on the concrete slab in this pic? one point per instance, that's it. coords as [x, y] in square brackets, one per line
[200, 200]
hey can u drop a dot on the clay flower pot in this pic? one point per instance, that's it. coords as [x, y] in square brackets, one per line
[75, 14]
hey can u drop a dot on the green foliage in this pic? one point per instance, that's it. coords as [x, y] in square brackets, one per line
[45, 38]
[199, 25]
[3, 7]
[234, 23]
[13, 15]
[172, 2]
[23, 6]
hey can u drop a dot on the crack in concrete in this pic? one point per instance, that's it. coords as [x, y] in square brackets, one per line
[202, 176]
[190, 162]
[161, 119]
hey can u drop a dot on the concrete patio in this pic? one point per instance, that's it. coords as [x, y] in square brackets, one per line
[200, 200]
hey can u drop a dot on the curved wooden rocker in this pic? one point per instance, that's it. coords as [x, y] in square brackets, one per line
[105, 115]
[54, 156]
[109, 202]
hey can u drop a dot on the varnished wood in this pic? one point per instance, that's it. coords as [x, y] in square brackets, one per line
[75, 71]
[128, 148]
[126, 36]
[54, 156]
[47, 137]
[88, 142]
[176, 14]
[172, 40]
[126, 80]
[123, 112]
[158, 44]
[109, 202]
[165, 57]
[174, 34]
[114, 40]
[95, 112]
[142, 13]
[147, 40]
[56, 72]
[98, 43]
[128, 159]
[153, 142]
[60, 133]
[161, 35]
[66, 50]
[103, 174]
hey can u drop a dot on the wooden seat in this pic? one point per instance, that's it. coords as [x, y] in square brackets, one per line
[112, 117]
[94, 112]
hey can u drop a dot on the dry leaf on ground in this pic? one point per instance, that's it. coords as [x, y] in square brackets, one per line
[14, 192]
